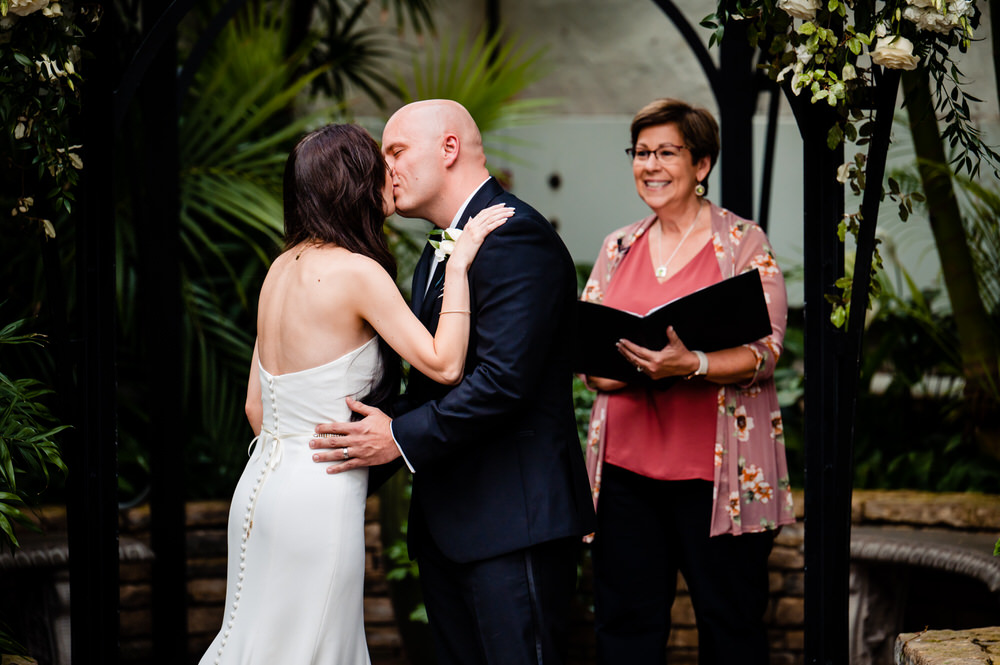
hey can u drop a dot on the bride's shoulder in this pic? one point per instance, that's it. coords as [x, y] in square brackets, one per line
[360, 265]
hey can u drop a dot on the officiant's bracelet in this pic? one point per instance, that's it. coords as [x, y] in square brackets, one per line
[455, 311]
[702, 365]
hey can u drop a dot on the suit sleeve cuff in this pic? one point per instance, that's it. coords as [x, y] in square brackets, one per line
[401, 453]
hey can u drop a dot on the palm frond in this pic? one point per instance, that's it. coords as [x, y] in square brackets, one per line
[416, 13]
[485, 75]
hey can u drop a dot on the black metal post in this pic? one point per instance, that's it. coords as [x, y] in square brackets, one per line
[827, 472]
[92, 514]
[767, 168]
[736, 110]
[158, 233]
[886, 88]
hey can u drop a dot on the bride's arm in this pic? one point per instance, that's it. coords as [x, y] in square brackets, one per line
[254, 407]
[441, 357]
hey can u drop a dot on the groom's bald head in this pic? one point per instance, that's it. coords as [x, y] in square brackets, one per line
[435, 153]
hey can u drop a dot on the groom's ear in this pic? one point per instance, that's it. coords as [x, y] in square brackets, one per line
[449, 149]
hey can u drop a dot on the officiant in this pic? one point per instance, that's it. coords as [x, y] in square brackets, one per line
[690, 477]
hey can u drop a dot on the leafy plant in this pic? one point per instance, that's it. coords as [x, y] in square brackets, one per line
[910, 421]
[38, 67]
[29, 453]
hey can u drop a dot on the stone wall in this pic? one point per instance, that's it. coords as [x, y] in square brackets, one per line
[949, 647]
[206, 543]
[945, 519]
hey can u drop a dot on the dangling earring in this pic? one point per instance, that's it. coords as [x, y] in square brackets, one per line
[699, 190]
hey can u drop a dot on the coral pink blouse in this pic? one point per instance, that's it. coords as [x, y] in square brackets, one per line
[667, 434]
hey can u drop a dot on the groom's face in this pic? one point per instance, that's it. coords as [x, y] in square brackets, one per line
[415, 164]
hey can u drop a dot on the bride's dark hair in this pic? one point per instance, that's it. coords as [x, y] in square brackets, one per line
[333, 194]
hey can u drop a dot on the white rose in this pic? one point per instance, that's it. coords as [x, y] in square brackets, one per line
[961, 7]
[803, 9]
[803, 54]
[942, 20]
[894, 52]
[25, 7]
[446, 245]
[930, 19]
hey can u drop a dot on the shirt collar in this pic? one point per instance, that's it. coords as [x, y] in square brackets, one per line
[461, 208]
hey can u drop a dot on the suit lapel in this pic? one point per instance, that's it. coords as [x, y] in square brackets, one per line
[419, 286]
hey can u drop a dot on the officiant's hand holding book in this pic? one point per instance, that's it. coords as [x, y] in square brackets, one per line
[724, 315]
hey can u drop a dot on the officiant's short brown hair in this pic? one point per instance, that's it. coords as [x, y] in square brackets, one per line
[696, 125]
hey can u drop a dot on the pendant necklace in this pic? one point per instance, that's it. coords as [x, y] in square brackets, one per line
[661, 270]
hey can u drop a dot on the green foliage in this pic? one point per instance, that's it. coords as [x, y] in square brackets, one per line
[354, 55]
[914, 432]
[981, 214]
[39, 58]
[486, 76]
[824, 52]
[910, 429]
[9, 645]
[29, 454]
[583, 400]
[415, 13]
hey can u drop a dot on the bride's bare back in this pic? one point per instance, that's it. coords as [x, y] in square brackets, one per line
[307, 314]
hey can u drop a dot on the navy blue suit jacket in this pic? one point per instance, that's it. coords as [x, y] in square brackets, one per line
[497, 458]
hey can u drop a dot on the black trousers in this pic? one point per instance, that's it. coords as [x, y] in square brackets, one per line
[509, 610]
[649, 529]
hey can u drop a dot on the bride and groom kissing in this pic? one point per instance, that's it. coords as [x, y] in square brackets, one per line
[486, 426]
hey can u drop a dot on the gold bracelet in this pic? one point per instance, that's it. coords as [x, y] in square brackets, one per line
[455, 311]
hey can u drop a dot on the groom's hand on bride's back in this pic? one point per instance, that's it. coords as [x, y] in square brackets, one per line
[364, 442]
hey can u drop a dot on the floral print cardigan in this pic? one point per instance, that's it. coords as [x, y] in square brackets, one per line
[752, 492]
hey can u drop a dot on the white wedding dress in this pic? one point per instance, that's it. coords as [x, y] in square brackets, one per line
[295, 581]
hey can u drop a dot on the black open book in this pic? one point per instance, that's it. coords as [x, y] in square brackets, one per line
[726, 314]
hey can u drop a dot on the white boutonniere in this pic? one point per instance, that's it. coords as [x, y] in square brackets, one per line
[443, 241]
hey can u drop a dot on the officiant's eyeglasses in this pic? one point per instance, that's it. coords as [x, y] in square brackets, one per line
[664, 154]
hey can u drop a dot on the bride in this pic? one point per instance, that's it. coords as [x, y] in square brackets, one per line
[330, 325]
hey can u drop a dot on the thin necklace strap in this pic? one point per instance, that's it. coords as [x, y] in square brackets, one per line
[661, 269]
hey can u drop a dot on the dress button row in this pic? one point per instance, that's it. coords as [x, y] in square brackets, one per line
[243, 544]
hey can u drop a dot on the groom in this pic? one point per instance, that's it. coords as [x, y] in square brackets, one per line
[500, 494]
